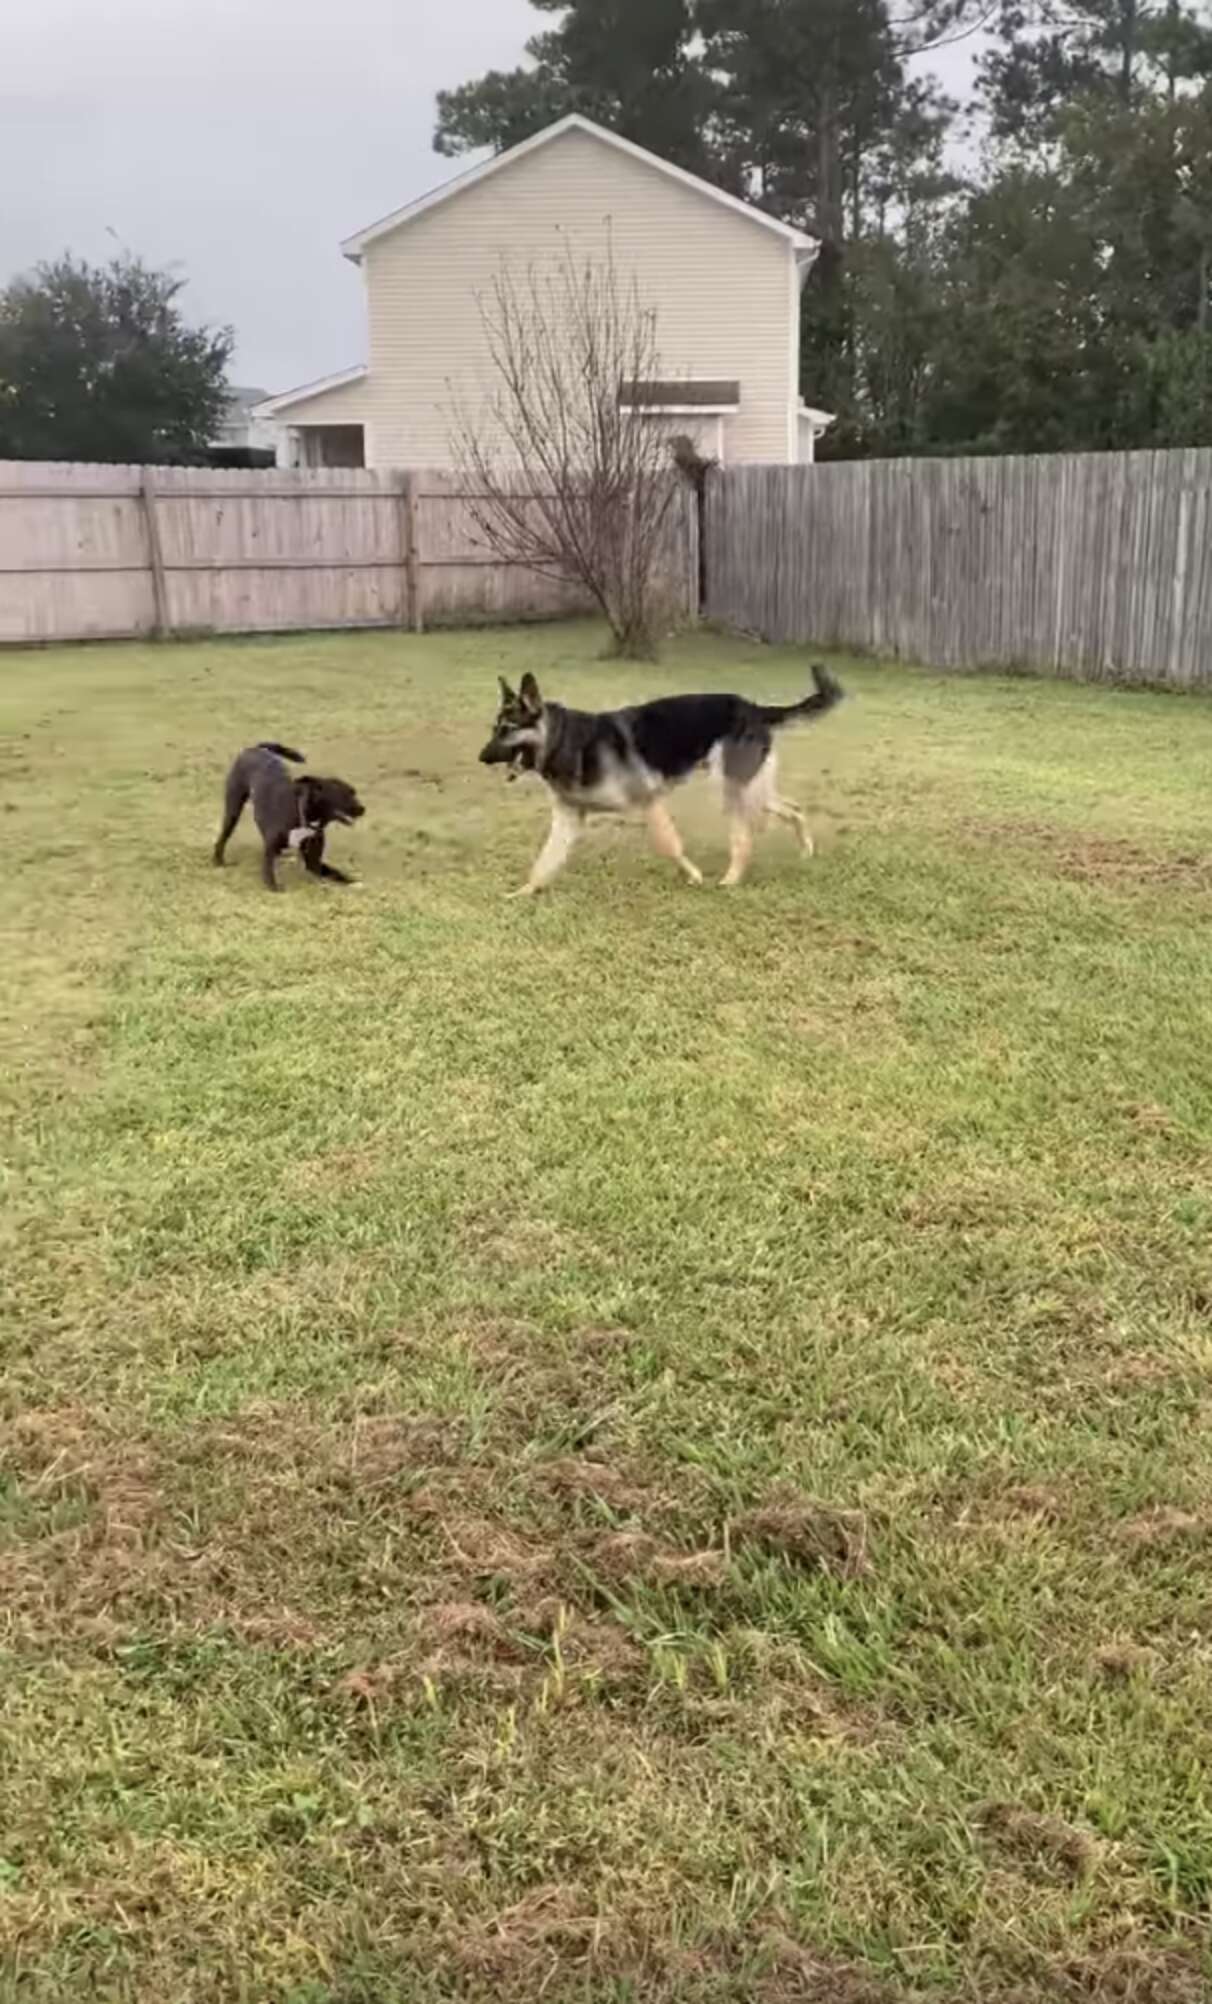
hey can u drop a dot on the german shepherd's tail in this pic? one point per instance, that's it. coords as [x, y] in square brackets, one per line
[283, 751]
[826, 693]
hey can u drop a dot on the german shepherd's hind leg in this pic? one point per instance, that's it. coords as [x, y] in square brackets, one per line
[749, 797]
[740, 849]
[560, 843]
[786, 810]
[667, 842]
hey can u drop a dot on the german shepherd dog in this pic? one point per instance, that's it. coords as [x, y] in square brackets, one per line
[606, 763]
[291, 814]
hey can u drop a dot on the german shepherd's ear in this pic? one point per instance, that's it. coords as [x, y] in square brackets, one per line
[529, 692]
[507, 695]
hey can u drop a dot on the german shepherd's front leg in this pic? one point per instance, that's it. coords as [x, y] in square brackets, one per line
[561, 840]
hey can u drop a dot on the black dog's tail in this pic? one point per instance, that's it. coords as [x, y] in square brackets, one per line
[826, 693]
[283, 751]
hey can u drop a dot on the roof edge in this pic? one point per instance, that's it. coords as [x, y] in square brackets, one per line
[272, 405]
[575, 121]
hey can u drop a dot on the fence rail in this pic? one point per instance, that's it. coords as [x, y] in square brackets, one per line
[106, 552]
[1093, 565]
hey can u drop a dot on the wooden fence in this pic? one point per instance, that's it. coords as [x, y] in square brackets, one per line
[92, 552]
[1094, 565]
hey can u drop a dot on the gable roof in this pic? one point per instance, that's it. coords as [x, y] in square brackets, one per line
[354, 246]
[270, 406]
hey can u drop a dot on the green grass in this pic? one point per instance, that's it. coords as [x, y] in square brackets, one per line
[651, 1444]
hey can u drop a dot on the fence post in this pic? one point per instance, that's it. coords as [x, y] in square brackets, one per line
[147, 494]
[410, 605]
[692, 513]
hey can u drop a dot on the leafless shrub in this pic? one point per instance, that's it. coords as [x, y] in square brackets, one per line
[561, 475]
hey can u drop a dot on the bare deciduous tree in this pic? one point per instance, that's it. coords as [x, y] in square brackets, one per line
[562, 474]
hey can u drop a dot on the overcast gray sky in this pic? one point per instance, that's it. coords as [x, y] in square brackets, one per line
[241, 140]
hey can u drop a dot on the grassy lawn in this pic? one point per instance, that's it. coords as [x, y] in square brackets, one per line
[652, 1444]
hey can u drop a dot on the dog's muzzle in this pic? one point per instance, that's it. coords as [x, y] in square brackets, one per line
[495, 753]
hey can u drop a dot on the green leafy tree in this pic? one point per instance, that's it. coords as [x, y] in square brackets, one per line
[1060, 299]
[97, 363]
[1025, 357]
[1049, 53]
[625, 63]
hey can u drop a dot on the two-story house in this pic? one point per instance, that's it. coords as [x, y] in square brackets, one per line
[724, 279]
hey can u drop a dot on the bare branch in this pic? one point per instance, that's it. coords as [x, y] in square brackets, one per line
[567, 479]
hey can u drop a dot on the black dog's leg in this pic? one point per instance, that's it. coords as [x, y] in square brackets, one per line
[269, 856]
[233, 807]
[313, 860]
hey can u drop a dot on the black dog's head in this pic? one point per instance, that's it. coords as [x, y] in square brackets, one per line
[325, 800]
[517, 736]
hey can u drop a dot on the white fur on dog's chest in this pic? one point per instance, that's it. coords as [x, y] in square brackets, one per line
[618, 788]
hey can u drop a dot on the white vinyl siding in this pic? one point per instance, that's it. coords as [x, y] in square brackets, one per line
[723, 287]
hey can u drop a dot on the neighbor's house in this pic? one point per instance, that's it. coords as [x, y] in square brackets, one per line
[241, 438]
[725, 281]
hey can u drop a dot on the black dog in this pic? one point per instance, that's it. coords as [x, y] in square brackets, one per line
[290, 813]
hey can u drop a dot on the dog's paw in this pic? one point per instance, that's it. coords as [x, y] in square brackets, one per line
[527, 891]
[692, 874]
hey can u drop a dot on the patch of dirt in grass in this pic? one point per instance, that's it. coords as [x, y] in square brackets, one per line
[91, 1507]
[466, 1639]
[1100, 859]
[802, 1976]
[483, 1547]
[1133, 1976]
[576, 1476]
[274, 1525]
[335, 1170]
[1149, 1117]
[1034, 1499]
[1162, 1526]
[552, 1943]
[279, 1442]
[638, 1555]
[1013, 1508]
[511, 1244]
[813, 1535]
[794, 1712]
[552, 1931]
[1044, 1847]
[604, 1342]
[591, 1645]
[964, 1206]
[1119, 1660]
[1128, 1374]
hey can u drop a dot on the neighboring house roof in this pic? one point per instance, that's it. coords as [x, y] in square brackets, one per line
[237, 417]
[273, 406]
[354, 246]
[670, 395]
[241, 398]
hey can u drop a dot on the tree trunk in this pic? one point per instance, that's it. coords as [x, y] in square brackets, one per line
[1127, 56]
[830, 208]
[856, 189]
